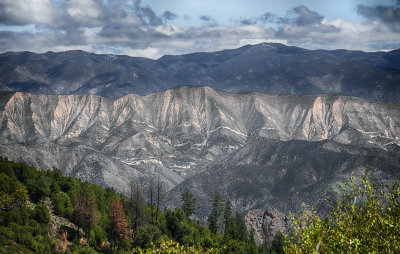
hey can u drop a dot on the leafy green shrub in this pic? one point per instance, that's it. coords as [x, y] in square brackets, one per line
[30, 239]
[41, 214]
[62, 204]
[82, 250]
[40, 189]
[174, 248]
[363, 220]
[98, 237]
[147, 234]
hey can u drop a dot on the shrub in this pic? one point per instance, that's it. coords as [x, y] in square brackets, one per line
[62, 204]
[41, 214]
[362, 221]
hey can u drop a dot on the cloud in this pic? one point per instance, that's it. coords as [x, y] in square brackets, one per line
[264, 19]
[128, 27]
[208, 20]
[167, 15]
[26, 12]
[300, 15]
[205, 18]
[306, 17]
[248, 21]
[150, 16]
[390, 15]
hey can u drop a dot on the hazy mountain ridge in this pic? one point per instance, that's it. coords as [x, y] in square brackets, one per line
[266, 67]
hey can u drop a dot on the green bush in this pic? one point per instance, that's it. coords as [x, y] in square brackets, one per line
[83, 250]
[147, 234]
[62, 204]
[174, 248]
[97, 237]
[363, 220]
[41, 214]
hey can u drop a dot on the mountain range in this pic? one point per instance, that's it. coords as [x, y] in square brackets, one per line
[266, 67]
[268, 126]
[261, 151]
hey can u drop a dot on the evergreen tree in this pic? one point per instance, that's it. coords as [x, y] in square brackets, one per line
[160, 195]
[217, 208]
[189, 202]
[278, 243]
[229, 222]
[241, 230]
[151, 194]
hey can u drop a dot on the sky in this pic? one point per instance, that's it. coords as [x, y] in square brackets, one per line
[153, 28]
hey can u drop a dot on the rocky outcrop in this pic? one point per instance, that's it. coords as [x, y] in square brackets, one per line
[267, 223]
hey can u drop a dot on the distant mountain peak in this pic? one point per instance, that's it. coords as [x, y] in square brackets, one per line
[265, 67]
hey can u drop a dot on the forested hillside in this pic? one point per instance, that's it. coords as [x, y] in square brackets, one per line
[45, 212]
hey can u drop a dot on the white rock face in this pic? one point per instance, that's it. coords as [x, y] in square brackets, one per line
[177, 132]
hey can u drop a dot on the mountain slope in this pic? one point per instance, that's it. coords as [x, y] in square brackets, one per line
[259, 150]
[267, 67]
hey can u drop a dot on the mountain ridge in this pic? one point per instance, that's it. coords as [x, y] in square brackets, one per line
[266, 67]
[260, 151]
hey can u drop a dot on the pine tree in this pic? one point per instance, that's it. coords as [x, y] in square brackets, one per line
[217, 208]
[151, 193]
[189, 202]
[229, 222]
[241, 230]
[160, 195]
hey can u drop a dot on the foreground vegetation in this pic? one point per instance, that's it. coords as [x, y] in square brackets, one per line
[46, 212]
[33, 204]
[362, 220]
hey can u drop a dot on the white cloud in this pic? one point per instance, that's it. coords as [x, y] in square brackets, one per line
[149, 52]
[85, 12]
[114, 27]
[22, 12]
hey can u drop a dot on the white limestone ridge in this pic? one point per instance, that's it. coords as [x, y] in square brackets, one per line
[177, 132]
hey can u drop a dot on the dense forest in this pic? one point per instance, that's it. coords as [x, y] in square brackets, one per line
[46, 212]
